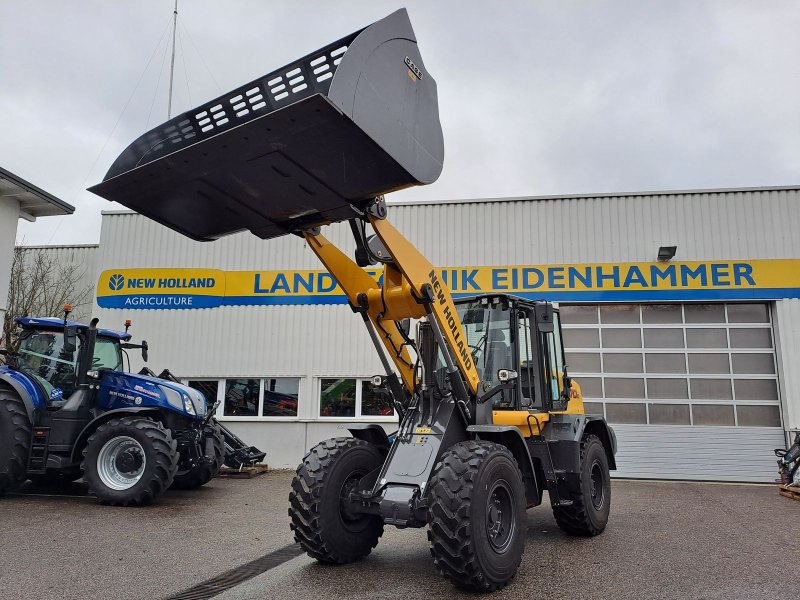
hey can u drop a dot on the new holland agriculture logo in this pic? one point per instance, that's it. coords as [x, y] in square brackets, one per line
[116, 281]
[598, 282]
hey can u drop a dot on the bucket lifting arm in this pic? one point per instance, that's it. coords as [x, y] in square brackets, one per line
[410, 289]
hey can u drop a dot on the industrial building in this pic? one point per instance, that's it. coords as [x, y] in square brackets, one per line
[692, 357]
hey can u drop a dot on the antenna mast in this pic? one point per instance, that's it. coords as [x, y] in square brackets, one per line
[172, 63]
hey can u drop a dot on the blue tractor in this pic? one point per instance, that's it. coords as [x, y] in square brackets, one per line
[68, 410]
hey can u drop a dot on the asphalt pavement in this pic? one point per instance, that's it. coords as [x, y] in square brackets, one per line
[664, 540]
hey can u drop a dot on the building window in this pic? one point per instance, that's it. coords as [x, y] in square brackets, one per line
[280, 397]
[376, 401]
[241, 397]
[350, 397]
[337, 398]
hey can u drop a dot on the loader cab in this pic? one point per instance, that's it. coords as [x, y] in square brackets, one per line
[520, 341]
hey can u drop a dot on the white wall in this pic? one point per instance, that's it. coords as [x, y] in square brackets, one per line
[787, 338]
[9, 215]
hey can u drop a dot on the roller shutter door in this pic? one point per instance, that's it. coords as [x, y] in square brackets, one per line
[690, 389]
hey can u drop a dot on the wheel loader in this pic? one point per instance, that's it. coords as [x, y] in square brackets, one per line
[489, 418]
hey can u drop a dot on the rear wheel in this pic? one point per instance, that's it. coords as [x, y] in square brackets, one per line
[129, 461]
[591, 504]
[15, 438]
[322, 525]
[193, 478]
[476, 515]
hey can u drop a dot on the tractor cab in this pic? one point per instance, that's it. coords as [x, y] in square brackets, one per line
[49, 353]
[518, 352]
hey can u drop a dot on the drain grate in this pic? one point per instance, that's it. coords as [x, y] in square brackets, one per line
[229, 579]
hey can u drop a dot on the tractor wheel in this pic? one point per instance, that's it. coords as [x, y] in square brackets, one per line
[15, 439]
[129, 461]
[588, 514]
[476, 515]
[321, 525]
[191, 479]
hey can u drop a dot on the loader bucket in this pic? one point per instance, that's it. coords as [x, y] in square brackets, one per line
[309, 144]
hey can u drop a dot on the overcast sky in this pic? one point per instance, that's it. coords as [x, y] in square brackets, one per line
[552, 97]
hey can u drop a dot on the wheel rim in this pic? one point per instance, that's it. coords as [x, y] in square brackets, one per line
[500, 516]
[597, 482]
[350, 517]
[121, 463]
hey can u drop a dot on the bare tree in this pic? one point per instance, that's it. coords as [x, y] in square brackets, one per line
[40, 287]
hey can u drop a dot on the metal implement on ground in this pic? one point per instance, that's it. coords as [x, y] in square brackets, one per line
[69, 410]
[489, 418]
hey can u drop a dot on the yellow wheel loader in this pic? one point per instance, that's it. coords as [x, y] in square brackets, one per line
[489, 418]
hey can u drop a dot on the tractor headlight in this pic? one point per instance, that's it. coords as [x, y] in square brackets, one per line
[199, 403]
[173, 397]
[188, 406]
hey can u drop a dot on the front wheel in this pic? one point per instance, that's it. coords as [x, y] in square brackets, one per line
[591, 503]
[321, 523]
[129, 461]
[476, 515]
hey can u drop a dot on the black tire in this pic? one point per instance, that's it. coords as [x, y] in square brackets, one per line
[590, 508]
[15, 439]
[200, 475]
[475, 545]
[159, 465]
[318, 522]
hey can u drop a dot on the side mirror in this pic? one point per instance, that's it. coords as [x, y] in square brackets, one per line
[544, 317]
[144, 351]
[70, 339]
[506, 375]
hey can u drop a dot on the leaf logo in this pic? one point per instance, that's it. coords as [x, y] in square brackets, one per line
[116, 281]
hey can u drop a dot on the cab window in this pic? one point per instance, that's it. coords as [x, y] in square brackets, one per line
[554, 364]
[41, 355]
[107, 355]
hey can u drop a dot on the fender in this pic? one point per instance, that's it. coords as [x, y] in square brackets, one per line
[370, 432]
[25, 388]
[80, 442]
[510, 437]
[569, 427]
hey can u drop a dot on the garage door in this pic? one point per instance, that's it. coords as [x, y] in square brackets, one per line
[691, 389]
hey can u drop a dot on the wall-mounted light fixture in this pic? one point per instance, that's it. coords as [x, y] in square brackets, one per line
[666, 253]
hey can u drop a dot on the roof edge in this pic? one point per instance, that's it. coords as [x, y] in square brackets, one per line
[733, 190]
[29, 187]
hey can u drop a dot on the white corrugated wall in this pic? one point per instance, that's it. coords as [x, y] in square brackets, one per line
[787, 325]
[314, 341]
[83, 259]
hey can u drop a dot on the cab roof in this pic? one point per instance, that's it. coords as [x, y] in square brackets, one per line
[56, 324]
